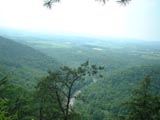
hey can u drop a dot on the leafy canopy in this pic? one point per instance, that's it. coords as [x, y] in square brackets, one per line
[144, 104]
[58, 88]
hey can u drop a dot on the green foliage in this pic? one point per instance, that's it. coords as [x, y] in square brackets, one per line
[126, 63]
[57, 90]
[15, 103]
[3, 86]
[46, 103]
[23, 64]
[4, 110]
[144, 104]
[104, 98]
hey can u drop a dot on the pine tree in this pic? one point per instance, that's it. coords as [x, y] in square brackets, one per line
[58, 88]
[144, 104]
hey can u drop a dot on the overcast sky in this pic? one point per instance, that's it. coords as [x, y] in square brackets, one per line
[140, 19]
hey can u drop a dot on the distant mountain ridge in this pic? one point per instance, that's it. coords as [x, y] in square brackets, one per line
[22, 63]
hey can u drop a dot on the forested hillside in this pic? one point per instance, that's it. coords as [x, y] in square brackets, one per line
[99, 89]
[104, 99]
[23, 64]
[79, 60]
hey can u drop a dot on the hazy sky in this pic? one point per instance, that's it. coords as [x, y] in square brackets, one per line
[140, 19]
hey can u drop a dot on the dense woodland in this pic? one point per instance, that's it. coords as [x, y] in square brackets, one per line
[79, 78]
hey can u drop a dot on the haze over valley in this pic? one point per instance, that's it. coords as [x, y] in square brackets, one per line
[25, 60]
[79, 60]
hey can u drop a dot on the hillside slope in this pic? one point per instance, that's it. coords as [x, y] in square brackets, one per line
[24, 65]
[102, 100]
